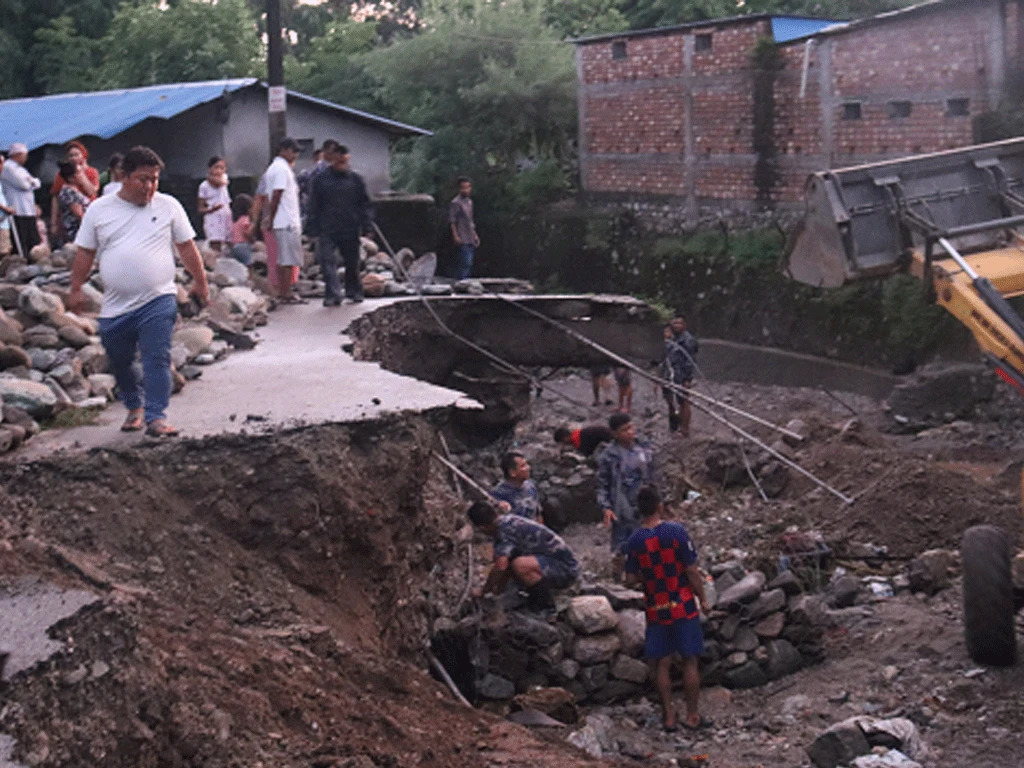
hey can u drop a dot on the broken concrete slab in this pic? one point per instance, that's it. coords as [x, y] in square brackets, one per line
[30, 608]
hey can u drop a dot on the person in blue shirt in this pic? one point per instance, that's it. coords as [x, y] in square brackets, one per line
[517, 493]
[661, 558]
[524, 550]
[623, 468]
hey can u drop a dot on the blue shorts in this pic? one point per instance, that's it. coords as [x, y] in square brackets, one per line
[557, 573]
[683, 637]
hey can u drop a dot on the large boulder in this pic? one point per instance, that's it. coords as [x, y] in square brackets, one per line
[39, 304]
[35, 399]
[13, 357]
[10, 329]
[596, 649]
[41, 336]
[239, 300]
[74, 335]
[746, 590]
[591, 614]
[632, 631]
[195, 338]
[234, 272]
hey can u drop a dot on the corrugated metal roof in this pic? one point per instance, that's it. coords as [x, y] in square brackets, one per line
[786, 28]
[57, 119]
[789, 25]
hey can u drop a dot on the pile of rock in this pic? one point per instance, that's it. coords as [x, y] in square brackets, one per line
[52, 359]
[757, 631]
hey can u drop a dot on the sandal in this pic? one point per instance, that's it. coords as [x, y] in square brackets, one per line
[134, 422]
[160, 428]
[702, 724]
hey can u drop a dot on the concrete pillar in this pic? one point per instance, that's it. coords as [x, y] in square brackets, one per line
[827, 99]
[581, 119]
[690, 151]
[995, 52]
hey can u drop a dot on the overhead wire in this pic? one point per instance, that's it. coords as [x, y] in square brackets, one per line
[700, 406]
[516, 370]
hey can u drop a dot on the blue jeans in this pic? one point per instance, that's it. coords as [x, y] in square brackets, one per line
[464, 268]
[147, 329]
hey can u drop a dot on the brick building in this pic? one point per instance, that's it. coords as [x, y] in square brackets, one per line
[679, 122]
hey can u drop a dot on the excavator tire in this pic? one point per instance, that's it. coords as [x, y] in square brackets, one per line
[989, 614]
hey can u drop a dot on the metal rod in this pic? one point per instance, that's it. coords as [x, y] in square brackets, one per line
[469, 480]
[436, 664]
[960, 260]
[789, 463]
[831, 394]
[985, 226]
[455, 477]
[753, 477]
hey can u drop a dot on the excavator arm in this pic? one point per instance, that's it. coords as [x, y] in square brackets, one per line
[950, 218]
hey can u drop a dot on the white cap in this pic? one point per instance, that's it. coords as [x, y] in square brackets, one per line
[17, 149]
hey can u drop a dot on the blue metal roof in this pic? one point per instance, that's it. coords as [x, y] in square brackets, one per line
[57, 119]
[786, 28]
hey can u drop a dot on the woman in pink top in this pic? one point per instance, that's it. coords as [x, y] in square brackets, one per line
[242, 233]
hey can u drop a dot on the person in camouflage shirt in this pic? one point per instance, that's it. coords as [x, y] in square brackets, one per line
[532, 554]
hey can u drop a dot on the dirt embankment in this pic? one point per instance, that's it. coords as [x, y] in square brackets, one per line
[264, 603]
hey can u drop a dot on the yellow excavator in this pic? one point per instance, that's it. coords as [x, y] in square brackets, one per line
[952, 220]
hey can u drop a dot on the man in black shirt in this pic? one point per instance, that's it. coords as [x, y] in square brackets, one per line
[339, 212]
[584, 439]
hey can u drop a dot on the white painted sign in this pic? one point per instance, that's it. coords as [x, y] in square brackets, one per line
[276, 98]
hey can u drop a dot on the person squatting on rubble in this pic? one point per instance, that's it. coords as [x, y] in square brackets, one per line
[586, 440]
[678, 367]
[339, 212]
[623, 468]
[134, 235]
[517, 493]
[661, 558]
[524, 550]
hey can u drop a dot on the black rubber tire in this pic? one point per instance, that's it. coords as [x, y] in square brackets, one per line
[989, 614]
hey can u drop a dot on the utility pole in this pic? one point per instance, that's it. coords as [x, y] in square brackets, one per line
[276, 102]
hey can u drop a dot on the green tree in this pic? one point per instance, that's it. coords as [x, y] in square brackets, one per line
[497, 86]
[62, 59]
[188, 41]
[578, 18]
[333, 66]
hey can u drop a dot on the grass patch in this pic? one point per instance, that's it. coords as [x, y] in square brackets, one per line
[73, 417]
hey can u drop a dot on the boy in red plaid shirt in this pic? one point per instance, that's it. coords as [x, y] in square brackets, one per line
[661, 558]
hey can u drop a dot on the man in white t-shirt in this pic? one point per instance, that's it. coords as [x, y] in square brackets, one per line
[134, 234]
[283, 212]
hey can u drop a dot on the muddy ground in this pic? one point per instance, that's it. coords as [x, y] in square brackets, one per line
[265, 598]
[897, 656]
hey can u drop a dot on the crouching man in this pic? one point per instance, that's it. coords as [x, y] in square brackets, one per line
[532, 554]
[661, 558]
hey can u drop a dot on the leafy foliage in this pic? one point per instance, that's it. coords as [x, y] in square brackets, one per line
[188, 41]
[497, 87]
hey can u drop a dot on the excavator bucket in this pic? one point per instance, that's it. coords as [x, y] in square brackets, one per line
[866, 220]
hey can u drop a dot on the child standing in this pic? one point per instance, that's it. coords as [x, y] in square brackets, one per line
[242, 234]
[215, 204]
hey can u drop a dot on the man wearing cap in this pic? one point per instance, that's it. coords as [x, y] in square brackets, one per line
[19, 187]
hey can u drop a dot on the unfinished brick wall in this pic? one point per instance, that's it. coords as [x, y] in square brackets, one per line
[639, 135]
